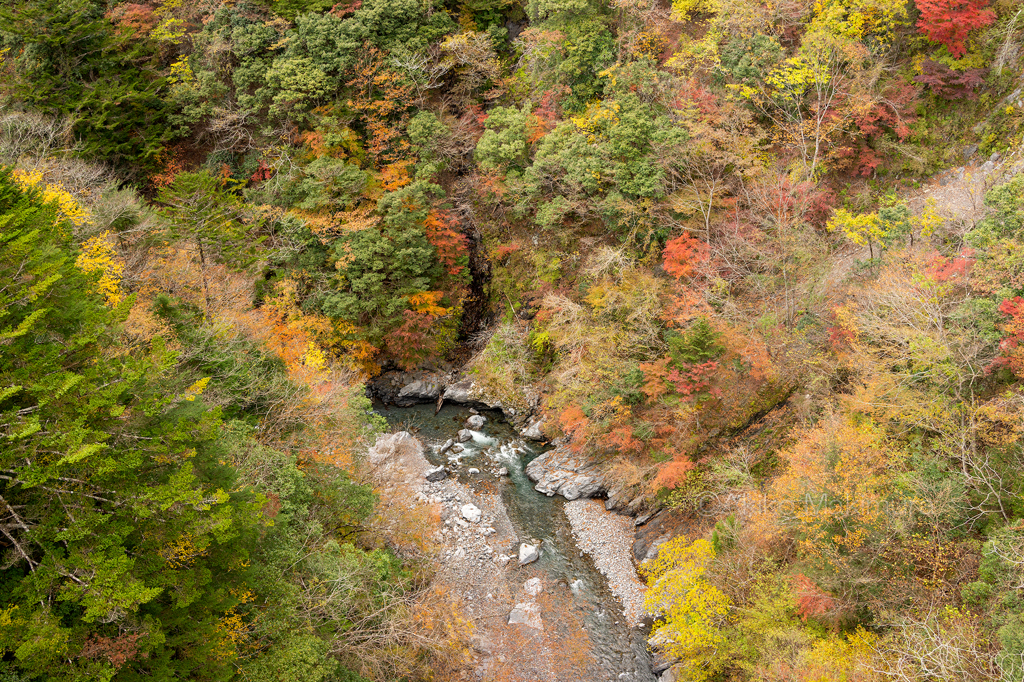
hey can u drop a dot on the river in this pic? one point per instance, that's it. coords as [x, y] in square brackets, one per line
[615, 651]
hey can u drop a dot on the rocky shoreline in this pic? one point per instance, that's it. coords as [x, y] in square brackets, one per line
[608, 538]
[478, 558]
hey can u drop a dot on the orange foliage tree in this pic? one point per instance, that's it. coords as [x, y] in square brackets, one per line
[684, 255]
[382, 98]
[837, 496]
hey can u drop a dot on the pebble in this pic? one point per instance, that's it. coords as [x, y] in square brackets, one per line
[608, 538]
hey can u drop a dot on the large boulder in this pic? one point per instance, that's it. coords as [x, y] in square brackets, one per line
[471, 513]
[468, 392]
[528, 614]
[533, 430]
[628, 500]
[673, 674]
[421, 390]
[408, 388]
[398, 457]
[563, 472]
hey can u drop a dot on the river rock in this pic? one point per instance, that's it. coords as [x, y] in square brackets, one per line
[528, 554]
[468, 392]
[398, 455]
[436, 474]
[533, 587]
[625, 500]
[476, 422]
[532, 430]
[419, 391]
[456, 449]
[564, 473]
[465, 435]
[528, 614]
[444, 448]
[471, 513]
[671, 675]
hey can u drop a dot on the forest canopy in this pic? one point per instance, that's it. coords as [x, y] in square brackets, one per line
[760, 260]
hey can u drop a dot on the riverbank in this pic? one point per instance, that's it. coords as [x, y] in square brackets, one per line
[608, 539]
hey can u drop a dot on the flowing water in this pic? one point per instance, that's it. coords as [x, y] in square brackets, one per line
[617, 651]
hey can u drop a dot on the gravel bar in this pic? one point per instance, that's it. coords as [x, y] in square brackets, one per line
[608, 539]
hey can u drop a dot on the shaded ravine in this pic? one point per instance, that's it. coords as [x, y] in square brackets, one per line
[616, 651]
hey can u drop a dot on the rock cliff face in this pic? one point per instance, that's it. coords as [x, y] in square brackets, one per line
[562, 472]
[409, 388]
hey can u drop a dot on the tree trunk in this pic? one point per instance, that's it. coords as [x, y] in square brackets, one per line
[206, 284]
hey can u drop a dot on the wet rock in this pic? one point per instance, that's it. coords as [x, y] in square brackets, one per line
[456, 449]
[533, 587]
[465, 435]
[444, 448]
[476, 422]
[471, 513]
[503, 471]
[436, 474]
[528, 554]
[527, 614]
[564, 473]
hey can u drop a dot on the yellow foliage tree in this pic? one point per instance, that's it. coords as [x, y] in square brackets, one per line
[99, 255]
[693, 611]
[67, 205]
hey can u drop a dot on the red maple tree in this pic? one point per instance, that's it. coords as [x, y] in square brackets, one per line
[949, 21]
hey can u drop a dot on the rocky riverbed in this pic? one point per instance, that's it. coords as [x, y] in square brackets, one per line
[554, 618]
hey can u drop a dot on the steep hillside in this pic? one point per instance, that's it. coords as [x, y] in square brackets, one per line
[755, 269]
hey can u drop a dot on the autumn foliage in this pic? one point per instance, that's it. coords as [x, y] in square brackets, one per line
[442, 232]
[949, 22]
[1012, 346]
[684, 256]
